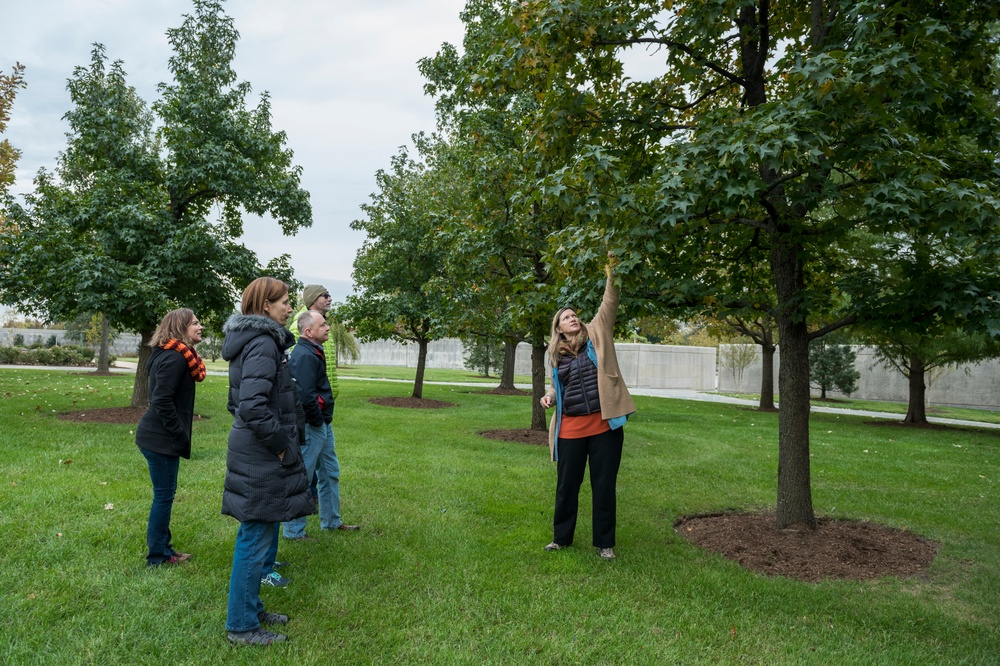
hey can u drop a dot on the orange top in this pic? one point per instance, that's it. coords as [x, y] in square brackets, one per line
[575, 427]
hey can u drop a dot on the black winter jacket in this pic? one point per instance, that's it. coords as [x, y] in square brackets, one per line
[165, 427]
[259, 485]
[308, 366]
[578, 376]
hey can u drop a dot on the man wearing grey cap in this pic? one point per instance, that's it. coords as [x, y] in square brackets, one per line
[320, 453]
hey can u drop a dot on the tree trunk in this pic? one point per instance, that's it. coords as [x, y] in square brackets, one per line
[418, 382]
[916, 412]
[140, 389]
[103, 354]
[509, 357]
[794, 484]
[537, 386]
[767, 377]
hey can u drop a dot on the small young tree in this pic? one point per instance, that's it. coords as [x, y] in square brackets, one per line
[482, 354]
[210, 347]
[832, 366]
[737, 357]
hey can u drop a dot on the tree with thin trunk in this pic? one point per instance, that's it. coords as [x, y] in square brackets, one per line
[393, 270]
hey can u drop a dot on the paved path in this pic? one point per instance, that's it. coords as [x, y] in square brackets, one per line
[678, 394]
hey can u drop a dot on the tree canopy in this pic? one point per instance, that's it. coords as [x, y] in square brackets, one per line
[773, 132]
[123, 225]
[9, 85]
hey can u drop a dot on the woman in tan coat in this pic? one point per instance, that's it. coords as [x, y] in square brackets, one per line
[592, 404]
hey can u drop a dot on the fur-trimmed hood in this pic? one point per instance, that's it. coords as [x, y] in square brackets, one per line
[240, 329]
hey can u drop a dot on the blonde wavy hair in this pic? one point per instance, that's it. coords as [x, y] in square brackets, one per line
[562, 345]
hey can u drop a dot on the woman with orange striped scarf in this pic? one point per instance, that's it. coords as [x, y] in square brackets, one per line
[164, 433]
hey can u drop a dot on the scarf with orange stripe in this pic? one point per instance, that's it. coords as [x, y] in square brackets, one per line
[196, 366]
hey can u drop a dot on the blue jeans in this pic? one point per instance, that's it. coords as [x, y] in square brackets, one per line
[163, 474]
[320, 456]
[253, 541]
[272, 554]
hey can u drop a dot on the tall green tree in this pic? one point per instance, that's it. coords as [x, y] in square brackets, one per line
[772, 127]
[499, 276]
[916, 356]
[399, 258]
[123, 225]
[9, 85]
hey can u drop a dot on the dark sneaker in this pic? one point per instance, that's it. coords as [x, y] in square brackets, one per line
[275, 579]
[272, 618]
[278, 565]
[554, 546]
[256, 636]
[304, 538]
[343, 528]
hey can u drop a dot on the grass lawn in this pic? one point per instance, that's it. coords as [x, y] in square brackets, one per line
[393, 372]
[449, 568]
[941, 411]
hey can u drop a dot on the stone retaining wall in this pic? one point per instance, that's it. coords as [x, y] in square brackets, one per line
[968, 385]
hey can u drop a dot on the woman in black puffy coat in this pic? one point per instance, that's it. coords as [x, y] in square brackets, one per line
[266, 480]
[164, 432]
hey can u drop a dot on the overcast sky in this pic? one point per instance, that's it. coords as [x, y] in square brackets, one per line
[342, 78]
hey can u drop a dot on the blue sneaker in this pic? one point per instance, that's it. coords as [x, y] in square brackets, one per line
[275, 579]
[278, 565]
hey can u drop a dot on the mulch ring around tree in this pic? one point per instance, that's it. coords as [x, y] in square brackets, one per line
[412, 403]
[124, 415]
[519, 436]
[839, 549]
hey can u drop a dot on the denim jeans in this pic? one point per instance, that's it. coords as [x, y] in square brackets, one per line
[163, 474]
[253, 541]
[272, 553]
[320, 456]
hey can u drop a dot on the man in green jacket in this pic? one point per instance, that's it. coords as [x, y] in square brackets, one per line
[315, 297]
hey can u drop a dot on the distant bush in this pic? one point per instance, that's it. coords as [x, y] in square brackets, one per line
[18, 340]
[68, 355]
[51, 341]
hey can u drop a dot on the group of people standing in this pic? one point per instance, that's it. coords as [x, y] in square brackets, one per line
[282, 405]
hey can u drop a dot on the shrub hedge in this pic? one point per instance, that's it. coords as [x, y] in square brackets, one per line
[58, 355]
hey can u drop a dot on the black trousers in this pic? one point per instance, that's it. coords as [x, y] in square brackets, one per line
[605, 454]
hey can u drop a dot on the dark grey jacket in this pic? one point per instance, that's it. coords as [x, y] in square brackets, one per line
[259, 485]
[308, 365]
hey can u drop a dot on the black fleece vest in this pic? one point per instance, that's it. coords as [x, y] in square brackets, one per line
[578, 376]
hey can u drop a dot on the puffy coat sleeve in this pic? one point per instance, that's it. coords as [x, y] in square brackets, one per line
[261, 359]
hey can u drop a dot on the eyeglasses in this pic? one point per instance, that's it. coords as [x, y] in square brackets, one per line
[325, 295]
